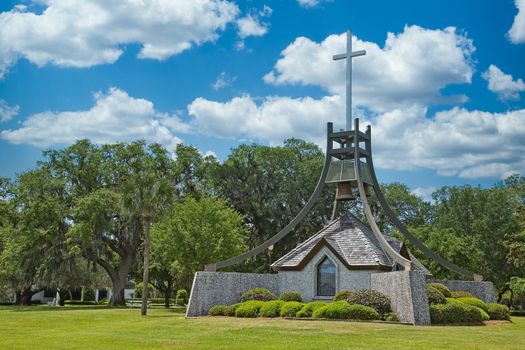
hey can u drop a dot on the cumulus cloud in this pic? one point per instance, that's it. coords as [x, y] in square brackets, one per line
[411, 67]
[90, 32]
[503, 84]
[115, 117]
[516, 33]
[7, 112]
[455, 142]
[253, 24]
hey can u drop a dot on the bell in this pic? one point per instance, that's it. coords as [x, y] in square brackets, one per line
[345, 191]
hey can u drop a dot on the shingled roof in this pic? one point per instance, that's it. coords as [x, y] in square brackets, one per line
[353, 243]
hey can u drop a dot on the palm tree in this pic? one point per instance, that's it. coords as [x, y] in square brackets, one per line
[148, 194]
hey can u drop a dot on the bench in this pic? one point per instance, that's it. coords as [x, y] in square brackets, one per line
[137, 303]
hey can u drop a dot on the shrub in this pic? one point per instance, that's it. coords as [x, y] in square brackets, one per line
[343, 310]
[455, 313]
[498, 311]
[291, 296]
[474, 302]
[182, 294]
[309, 308]
[442, 288]
[391, 317]
[485, 316]
[89, 294]
[371, 298]
[452, 301]
[461, 294]
[231, 309]
[261, 294]
[435, 296]
[343, 295]
[271, 308]
[217, 310]
[80, 302]
[290, 308]
[103, 301]
[249, 308]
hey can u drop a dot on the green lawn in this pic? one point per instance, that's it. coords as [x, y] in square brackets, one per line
[42, 327]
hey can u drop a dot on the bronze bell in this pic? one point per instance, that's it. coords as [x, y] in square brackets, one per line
[345, 191]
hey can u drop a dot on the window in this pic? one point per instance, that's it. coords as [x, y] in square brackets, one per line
[326, 278]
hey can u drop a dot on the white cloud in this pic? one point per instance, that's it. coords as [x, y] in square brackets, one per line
[456, 142]
[516, 33]
[273, 120]
[7, 112]
[308, 3]
[253, 25]
[412, 67]
[223, 80]
[425, 193]
[503, 84]
[115, 117]
[90, 32]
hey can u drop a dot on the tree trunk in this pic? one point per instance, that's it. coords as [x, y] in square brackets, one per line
[118, 278]
[167, 294]
[23, 297]
[500, 294]
[145, 277]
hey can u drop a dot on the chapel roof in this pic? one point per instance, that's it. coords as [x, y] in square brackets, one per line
[353, 243]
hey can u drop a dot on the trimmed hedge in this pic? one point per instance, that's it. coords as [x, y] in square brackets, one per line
[435, 296]
[249, 308]
[371, 298]
[485, 316]
[291, 296]
[261, 294]
[343, 310]
[461, 294]
[452, 301]
[80, 302]
[392, 317]
[343, 295]
[455, 313]
[271, 308]
[217, 310]
[474, 302]
[498, 311]
[291, 308]
[442, 288]
[231, 309]
[309, 308]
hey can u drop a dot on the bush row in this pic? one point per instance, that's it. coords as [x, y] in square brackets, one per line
[461, 307]
[276, 308]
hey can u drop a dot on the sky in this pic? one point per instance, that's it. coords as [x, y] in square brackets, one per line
[442, 83]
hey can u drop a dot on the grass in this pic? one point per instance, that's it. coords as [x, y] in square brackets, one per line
[42, 327]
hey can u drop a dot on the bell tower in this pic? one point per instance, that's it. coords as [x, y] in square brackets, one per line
[348, 164]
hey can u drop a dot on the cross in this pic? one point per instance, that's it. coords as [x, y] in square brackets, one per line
[349, 55]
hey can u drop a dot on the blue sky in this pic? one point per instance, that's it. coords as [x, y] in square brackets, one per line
[441, 85]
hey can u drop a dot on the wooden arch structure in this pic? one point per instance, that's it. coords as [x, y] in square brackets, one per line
[350, 166]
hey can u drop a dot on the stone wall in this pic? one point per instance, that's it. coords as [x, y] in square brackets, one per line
[408, 294]
[482, 290]
[304, 281]
[213, 288]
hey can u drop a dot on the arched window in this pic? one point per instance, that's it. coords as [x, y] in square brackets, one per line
[326, 278]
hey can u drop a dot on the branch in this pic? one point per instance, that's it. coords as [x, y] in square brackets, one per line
[109, 269]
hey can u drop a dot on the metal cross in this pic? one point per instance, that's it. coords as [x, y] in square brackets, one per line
[349, 55]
